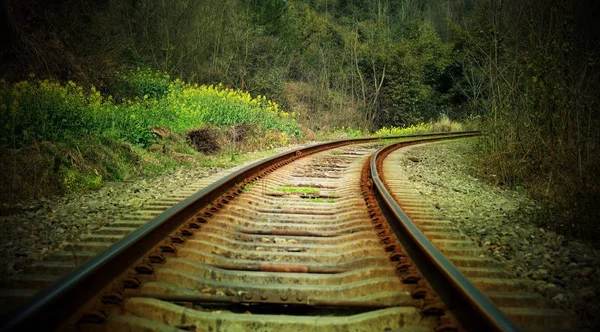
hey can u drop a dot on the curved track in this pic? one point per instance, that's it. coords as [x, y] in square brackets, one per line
[303, 240]
[461, 271]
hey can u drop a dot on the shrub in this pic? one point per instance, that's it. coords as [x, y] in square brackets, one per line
[420, 128]
[38, 110]
[141, 82]
[48, 111]
[444, 124]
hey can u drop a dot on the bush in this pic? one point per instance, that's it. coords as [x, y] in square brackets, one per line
[420, 128]
[45, 110]
[141, 82]
[48, 111]
[444, 124]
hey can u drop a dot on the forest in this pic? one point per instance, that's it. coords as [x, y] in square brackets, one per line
[84, 79]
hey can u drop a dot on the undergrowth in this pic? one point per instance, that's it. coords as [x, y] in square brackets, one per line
[42, 110]
[443, 124]
[59, 138]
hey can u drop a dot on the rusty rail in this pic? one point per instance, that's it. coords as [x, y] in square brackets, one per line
[468, 304]
[57, 303]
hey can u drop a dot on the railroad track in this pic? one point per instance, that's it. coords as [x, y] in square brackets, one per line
[311, 239]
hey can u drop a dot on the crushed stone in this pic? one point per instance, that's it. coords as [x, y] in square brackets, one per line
[43, 226]
[565, 270]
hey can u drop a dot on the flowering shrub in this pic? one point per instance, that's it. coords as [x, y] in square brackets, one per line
[47, 110]
[397, 131]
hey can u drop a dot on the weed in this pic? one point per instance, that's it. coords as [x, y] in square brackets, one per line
[397, 131]
[47, 110]
[247, 187]
[443, 124]
[297, 190]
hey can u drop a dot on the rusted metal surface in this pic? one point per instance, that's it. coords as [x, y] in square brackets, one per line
[302, 253]
[513, 297]
[235, 259]
[24, 286]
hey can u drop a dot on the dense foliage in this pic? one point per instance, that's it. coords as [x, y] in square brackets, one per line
[532, 73]
[378, 59]
[43, 110]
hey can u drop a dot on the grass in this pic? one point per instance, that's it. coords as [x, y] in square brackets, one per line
[443, 124]
[43, 110]
[69, 138]
[247, 187]
[63, 138]
[297, 190]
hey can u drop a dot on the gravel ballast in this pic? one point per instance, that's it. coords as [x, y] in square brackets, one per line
[44, 226]
[564, 270]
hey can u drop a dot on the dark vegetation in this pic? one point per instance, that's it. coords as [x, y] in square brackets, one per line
[203, 140]
[526, 72]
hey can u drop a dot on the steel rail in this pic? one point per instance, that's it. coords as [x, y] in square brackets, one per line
[51, 307]
[464, 300]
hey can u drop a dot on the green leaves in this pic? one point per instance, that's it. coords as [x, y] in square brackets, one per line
[47, 110]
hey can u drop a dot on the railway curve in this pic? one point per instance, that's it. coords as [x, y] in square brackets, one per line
[292, 242]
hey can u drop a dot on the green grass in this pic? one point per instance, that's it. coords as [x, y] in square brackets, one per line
[248, 187]
[82, 138]
[443, 124]
[297, 190]
[44, 110]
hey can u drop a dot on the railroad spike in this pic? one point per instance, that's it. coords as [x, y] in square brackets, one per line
[433, 308]
[144, 269]
[177, 239]
[157, 258]
[418, 293]
[410, 278]
[396, 255]
[131, 282]
[94, 317]
[113, 298]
